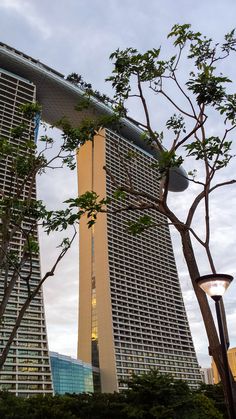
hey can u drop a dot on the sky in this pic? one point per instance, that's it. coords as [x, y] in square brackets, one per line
[78, 36]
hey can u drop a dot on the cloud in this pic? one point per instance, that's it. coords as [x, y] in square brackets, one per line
[27, 11]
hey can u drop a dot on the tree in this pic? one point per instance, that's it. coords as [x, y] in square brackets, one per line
[215, 393]
[186, 136]
[149, 396]
[21, 214]
[153, 395]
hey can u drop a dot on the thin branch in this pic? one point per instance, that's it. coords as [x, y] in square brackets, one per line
[198, 199]
[185, 95]
[28, 301]
[176, 106]
[178, 58]
[194, 130]
[146, 112]
[165, 188]
[127, 189]
[196, 236]
[228, 130]
[136, 122]
[219, 185]
[124, 166]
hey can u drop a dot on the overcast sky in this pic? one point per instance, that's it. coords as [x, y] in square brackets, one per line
[78, 36]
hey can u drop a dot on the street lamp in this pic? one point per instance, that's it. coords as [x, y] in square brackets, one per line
[215, 286]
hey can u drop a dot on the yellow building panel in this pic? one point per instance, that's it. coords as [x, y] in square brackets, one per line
[232, 363]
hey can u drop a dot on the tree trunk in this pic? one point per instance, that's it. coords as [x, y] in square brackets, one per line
[213, 339]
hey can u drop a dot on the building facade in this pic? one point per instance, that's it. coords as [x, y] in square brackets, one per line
[132, 316]
[131, 311]
[27, 368]
[231, 353]
[70, 375]
[207, 375]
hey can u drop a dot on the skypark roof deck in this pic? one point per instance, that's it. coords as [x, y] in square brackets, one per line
[59, 97]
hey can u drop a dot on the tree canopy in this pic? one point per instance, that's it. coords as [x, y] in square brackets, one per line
[148, 396]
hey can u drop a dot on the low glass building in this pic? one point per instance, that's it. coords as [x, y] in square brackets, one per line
[70, 375]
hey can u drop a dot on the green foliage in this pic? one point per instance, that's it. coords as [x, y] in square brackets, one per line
[130, 62]
[65, 244]
[140, 225]
[216, 394]
[148, 396]
[213, 148]
[24, 160]
[46, 139]
[35, 209]
[5, 148]
[19, 130]
[29, 146]
[230, 42]
[167, 160]
[135, 71]
[77, 80]
[86, 204]
[153, 395]
[183, 33]
[201, 48]
[176, 123]
[20, 207]
[202, 51]
[69, 161]
[82, 406]
[130, 155]
[202, 408]
[75, 137]
[30, 110]
[58, 220]
[11, 407]
[88, 128]
[192, 173]
[31, 245]
[157, 138]
[207, 87]
[119, 195]
[83, 104]
[13, 258]
[228, 107]
[23, 165]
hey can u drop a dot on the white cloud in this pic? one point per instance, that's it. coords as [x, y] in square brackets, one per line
[28, 12]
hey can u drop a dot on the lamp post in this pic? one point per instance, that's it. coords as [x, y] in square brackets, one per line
[215, 286]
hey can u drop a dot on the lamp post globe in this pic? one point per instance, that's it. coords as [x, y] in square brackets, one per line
[214, 285]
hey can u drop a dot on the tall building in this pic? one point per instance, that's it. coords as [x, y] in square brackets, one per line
[231, 354]
[70, 375]
[132, 315]
[27, 368]
[131, 312]
[207, 375]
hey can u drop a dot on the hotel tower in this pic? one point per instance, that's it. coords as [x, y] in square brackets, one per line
[27, 368]
[131, 312]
